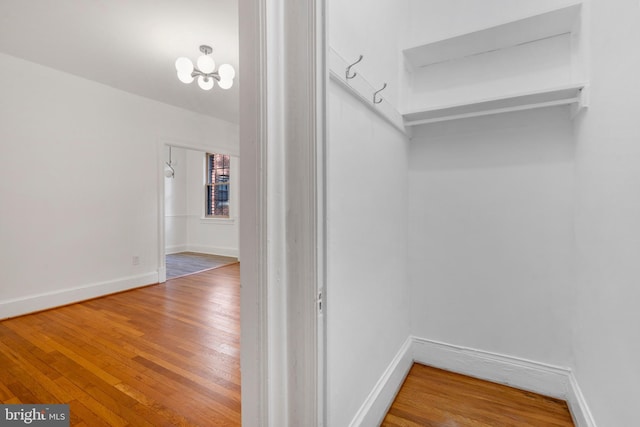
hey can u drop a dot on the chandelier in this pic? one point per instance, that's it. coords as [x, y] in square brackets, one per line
[204, 71]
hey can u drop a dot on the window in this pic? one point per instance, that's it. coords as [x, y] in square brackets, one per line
[217, 185]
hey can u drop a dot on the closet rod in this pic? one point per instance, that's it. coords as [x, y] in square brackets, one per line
[567, 101]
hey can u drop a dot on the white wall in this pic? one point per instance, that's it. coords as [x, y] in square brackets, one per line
[607, 318]
[533, 66]
[367, 300]
[513, 254]
[367, 305]
[175, 202]
[186, 227]
[80, 191]
[491, 233]
[522, 228]
[375, 32]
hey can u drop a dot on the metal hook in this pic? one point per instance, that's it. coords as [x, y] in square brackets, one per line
[378, 101]
[349, 69]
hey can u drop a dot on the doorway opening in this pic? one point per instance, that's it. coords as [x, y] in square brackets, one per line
[200, 209]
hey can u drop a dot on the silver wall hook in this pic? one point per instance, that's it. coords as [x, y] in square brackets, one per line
[377, 100]
[347, 73]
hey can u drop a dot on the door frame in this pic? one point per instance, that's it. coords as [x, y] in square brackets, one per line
[162, 144]
[282, 134]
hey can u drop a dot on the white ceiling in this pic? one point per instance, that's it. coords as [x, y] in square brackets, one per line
[128, 44]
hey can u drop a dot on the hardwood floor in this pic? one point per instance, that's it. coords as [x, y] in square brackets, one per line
[432, 397]
[162, 355]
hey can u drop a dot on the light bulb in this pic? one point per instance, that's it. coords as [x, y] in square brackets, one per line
[205, 84]
[226, 72]
[225, 83]
[185, 77]
[206, 64]
[184, 65]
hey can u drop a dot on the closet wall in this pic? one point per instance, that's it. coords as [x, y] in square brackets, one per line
[605, 325]
[521, 227]
[491, 220]
[490, 198]
[367, 302]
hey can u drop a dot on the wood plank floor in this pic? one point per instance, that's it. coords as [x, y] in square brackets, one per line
[432, 397]
[164, 355]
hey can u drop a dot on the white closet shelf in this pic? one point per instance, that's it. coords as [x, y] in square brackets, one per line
[572, 94]
[529, 29]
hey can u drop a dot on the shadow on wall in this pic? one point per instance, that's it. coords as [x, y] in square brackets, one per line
[513, 139]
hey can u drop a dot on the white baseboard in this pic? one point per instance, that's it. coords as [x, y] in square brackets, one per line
[377, 404]
[175, 249]
[213, 250]
[578, 405]
[203, 249]
[520, 373]
[44, 301]
[162, 274]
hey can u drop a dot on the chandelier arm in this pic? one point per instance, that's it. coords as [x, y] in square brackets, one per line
[198, 73]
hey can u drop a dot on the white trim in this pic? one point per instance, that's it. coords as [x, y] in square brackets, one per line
[376, 405]
[567, 94]
[216, 221]
[254, 322]
[176, 249]
[160, 178]
[281, 128]
[213, 250]
[568, 101]
[160, 149]
[203, 249]
[578, 405]
[513, 371]
[47, 300]
[208, 147]
[517, 372]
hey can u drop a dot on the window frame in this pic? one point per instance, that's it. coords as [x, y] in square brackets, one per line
[210, 186]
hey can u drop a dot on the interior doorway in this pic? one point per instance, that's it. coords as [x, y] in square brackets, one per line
[200, 209]
[193, 236]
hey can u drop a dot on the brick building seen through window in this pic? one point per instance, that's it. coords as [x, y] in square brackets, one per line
[217, 185]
